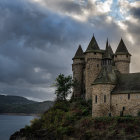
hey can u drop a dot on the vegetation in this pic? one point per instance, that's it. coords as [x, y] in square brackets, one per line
[16, 104]
[72, 120]
[63, 86]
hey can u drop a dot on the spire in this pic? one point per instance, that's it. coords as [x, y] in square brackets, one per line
[79, 53]
[122, 48]
[93, 45]
[110, 49]
[108, 52]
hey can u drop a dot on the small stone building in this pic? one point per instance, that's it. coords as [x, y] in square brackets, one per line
[105, 77]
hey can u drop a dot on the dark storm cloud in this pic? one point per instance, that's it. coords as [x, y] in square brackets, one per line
[136, 12]
[37, 43]
[34, 47]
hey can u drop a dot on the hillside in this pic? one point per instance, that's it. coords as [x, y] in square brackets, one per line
[7, 99]
[17, 104]
[73, 121]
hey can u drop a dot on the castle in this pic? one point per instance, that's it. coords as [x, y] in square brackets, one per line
[105, 77]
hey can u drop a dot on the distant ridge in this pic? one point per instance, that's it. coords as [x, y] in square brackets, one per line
[17, 104]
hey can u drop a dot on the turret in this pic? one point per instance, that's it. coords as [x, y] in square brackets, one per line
[78, 73]
[93, 57]
[103, 85]
[122, 58]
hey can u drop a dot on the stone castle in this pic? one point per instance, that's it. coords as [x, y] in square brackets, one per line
[105, 77]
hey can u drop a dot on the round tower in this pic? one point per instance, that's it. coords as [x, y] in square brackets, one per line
[78, 73]
[93, 57]
[122, 58]
[103, 85]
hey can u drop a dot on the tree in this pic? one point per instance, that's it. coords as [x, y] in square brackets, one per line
[63, 86]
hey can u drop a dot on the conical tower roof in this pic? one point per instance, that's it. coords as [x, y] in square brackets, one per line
[93, 46]
[122, 48]
[79, 53]
[107, 75]
[108, 52]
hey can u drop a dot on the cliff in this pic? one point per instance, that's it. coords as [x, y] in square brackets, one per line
[72, 121]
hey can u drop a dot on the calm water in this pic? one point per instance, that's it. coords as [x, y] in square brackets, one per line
[10, 124]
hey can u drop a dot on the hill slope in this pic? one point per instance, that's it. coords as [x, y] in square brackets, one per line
[17, 104]
[7, 99]
[73, 121]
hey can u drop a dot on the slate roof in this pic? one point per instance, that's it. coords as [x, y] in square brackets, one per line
[108, 52]
[122, 48]
[93, 46]
[127, 83]
[108, 75]
[79, 53]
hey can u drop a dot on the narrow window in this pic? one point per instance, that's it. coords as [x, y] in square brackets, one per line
[104, 98]
[97, 65]
[96, 99]
[128, 96]
[123, 108]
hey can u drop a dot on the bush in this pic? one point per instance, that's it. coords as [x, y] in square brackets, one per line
[139, 113]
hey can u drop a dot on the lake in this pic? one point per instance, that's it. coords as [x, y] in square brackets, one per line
[10, 124]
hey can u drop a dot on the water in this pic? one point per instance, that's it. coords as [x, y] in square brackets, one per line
[10, 124]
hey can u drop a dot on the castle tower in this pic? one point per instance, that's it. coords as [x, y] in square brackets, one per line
[122, 58]
[93, 57]
[103, 85]
[78, 72]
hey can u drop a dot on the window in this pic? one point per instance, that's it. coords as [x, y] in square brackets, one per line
[128, 96]
[104, 98]
[96, 99]
[123, 108]
[97, 65]
[94, 52]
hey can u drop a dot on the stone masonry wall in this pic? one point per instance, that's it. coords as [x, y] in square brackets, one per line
[101, 107]
[78, 71]
[122, 63]
[120, 102]
[92, 69]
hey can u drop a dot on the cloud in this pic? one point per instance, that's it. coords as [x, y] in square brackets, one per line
[38, 39]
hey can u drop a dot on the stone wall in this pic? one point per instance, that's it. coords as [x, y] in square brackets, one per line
[120, 102]
[122, 63]
[92, 69]
[78, 74]
[101, 107]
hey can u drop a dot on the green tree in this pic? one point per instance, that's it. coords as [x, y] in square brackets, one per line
[64, 85]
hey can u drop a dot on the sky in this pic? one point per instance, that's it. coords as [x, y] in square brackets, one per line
[38, 39]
